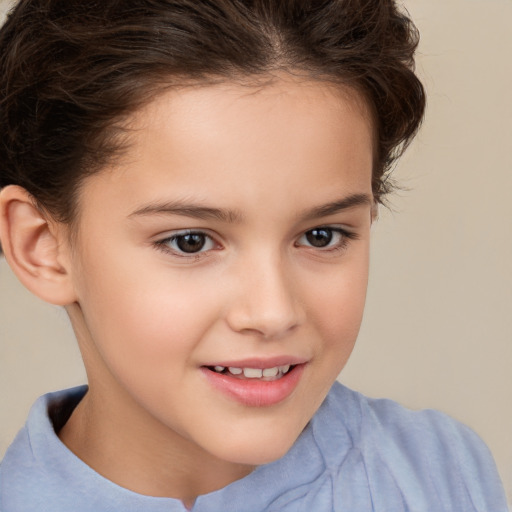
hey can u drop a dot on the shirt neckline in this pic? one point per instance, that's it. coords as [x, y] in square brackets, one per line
[302, 464]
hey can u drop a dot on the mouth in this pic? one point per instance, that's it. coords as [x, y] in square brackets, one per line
[253, 384]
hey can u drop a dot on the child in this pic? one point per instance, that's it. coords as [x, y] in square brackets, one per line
[195, 181]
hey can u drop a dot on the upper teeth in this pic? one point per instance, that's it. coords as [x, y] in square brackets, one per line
[270, 372]
[255, 373]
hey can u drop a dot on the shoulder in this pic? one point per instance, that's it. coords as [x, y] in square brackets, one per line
[428, 456]
[29, 474]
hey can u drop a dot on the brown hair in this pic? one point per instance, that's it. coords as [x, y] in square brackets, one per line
[71, 70]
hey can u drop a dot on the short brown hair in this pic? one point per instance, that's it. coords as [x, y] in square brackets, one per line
[71, 70]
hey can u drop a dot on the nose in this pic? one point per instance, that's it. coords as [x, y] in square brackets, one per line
[266, 302]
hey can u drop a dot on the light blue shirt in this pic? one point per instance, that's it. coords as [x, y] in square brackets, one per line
[357, 454]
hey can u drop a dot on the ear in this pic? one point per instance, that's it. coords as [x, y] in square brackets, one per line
[35, 247]
[375, 211]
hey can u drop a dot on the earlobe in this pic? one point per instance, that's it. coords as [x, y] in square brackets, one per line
[34, 247]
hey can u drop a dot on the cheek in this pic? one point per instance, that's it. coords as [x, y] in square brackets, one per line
[343, 308]
[341, 292]
[139, 321]
[336, 308]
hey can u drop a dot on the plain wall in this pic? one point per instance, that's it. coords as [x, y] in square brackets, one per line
[438, 326]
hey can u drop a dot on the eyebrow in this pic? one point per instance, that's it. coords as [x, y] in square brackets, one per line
[345, 203]
[189, 210]
[234, 216]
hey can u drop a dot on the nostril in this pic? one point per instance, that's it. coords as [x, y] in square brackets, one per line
[262, 321]
[266, 304]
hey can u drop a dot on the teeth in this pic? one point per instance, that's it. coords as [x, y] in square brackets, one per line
[253, 373]
[270, 372]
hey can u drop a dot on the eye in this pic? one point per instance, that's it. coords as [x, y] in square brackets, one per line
[320, 237]
[325, 238]
[188, 242]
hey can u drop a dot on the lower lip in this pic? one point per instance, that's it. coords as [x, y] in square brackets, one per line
[255, 392]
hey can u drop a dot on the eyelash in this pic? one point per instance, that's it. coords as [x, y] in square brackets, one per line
[345, 238]
[164, 244]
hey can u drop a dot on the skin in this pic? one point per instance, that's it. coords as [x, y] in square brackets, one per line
[148, 319]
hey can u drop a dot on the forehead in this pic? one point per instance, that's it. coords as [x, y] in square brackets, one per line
[255, 104]
[260, 140]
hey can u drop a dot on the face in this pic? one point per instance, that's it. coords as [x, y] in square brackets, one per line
[221, 267]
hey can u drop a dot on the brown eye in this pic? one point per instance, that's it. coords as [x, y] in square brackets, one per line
[326, 239]
[319, 237]
[191, 242]
[186, 242]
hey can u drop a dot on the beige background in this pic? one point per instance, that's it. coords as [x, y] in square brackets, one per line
[438, 326]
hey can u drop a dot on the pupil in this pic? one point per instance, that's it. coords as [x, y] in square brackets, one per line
[192, 242]
[319, 237]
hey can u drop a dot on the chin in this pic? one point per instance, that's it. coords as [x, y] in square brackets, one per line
[258, 450]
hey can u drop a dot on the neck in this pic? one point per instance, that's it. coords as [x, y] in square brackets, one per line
[124, 444]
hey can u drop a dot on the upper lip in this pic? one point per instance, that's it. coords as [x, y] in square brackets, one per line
[260, 362]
